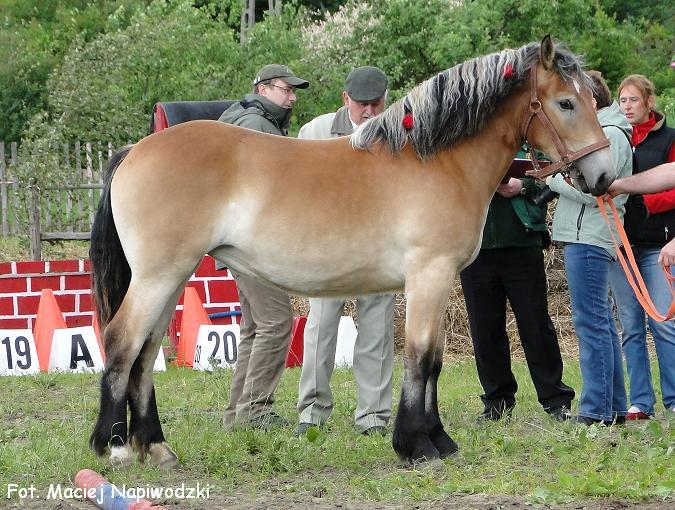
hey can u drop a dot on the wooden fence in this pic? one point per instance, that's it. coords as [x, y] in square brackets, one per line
[9, 189]
[54, 213]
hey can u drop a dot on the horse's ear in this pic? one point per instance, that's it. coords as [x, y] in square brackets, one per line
[546, 52]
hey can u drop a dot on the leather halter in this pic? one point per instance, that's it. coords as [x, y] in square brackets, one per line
[566, 157]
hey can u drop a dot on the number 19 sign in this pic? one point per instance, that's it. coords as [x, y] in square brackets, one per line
[18, 355]
[216, 346]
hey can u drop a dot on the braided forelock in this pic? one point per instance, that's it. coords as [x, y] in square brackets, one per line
[457, 102]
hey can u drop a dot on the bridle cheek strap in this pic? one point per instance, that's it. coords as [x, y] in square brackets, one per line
[566, 157]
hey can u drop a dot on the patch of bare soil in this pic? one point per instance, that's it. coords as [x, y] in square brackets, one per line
[455, 502]
[300, 501]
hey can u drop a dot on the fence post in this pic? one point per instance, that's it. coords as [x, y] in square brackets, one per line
[90, 181]
[34, 223]
[3, 191]
[14, 227]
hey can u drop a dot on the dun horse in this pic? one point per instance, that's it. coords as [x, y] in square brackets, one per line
[394, 207]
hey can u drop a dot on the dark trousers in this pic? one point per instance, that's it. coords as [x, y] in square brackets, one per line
[516, 274]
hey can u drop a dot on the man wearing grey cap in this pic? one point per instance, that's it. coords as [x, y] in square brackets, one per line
[269, 107]
[364, 97]
[266, 312]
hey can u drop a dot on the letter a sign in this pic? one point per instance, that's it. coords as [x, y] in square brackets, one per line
[75, 350]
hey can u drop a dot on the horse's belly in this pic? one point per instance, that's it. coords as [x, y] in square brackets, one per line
[315, 276]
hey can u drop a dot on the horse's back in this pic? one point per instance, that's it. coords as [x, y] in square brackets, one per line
[293, 211]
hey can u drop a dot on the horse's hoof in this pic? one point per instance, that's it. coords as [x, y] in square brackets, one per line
[427, 453]
[429, 465]
[121, 456]
[418, 449]
[161, 454]
[444, 444]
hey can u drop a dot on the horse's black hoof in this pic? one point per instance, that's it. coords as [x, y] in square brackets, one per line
[416, 449]
[424, 451]
[99, 444]
[444, 444]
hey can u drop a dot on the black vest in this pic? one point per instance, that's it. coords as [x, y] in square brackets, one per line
[657, 229]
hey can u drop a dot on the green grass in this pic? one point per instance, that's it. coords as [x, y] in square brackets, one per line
[46, 421]
[17, 248]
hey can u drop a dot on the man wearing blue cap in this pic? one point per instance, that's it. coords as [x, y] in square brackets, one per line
[364, 97]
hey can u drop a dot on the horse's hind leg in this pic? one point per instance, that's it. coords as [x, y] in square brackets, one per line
[110, 432]
[124, 338]
[441, 440]
[145, 430]
[426, 293]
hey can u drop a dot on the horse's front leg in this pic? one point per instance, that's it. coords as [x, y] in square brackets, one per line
[441, 440]
[418, 432]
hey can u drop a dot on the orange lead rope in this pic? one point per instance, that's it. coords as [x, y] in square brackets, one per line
[633, 273]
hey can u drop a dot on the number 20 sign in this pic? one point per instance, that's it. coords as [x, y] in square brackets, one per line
[18, 355]
[216, 346]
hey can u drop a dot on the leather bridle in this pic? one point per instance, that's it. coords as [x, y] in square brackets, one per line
[566, 157]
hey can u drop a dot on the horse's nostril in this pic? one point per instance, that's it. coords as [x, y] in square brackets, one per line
[602, 184]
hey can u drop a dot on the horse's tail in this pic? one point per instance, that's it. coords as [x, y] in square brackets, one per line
[110, 271]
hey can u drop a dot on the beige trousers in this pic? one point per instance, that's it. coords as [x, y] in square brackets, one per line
[373, 360]
[267, 319]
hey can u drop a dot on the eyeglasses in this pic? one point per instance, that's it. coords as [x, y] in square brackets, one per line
[287, 90]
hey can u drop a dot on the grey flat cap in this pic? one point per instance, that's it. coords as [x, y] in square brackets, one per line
[366, 84]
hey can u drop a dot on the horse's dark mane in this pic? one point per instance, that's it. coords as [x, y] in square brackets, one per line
[455, 103]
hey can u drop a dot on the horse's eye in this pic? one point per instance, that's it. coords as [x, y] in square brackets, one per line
[566, 104]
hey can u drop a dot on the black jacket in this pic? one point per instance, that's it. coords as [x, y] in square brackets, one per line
[657, 229]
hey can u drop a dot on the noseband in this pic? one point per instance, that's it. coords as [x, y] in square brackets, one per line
[566, 157]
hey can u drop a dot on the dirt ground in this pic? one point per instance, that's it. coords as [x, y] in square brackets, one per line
[300, 501]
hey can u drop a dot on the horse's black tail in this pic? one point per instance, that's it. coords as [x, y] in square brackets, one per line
[110, 271]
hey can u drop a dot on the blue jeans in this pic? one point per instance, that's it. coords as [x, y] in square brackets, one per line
[634, 335]
[603, 395]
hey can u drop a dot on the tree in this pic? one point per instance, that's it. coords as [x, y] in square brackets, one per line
[34, 39]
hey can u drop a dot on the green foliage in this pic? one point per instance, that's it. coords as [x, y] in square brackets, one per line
[108, 62]
[661, 11]
[34, 38]
[104, 90]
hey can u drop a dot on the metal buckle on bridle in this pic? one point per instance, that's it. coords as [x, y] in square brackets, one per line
[535, 106]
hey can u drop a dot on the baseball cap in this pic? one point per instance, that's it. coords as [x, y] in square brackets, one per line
[366, 84]
[271, 71]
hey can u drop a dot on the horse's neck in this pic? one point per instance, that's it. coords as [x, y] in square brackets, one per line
[485, 157]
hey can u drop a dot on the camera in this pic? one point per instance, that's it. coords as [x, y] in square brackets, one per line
[544, 196]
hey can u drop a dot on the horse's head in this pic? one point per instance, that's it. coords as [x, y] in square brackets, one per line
[567, 128]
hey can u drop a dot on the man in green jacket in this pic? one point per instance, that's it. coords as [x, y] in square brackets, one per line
[510, 265]
[267, 317]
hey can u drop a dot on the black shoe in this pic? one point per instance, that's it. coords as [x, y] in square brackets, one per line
[585, 420]
[303, 427]
[493, 414]
[268, 421]
[375, 429]
[560, 413]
